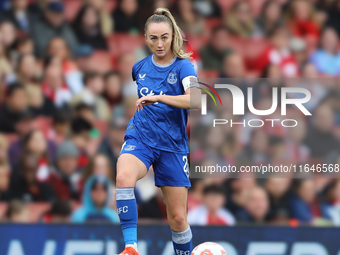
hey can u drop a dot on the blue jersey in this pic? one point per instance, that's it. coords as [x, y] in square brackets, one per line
[159, 125]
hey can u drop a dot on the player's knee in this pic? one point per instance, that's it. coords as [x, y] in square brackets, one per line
[124, 180]
[179, 219]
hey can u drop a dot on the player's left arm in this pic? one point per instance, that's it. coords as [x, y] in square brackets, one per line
[190, 100]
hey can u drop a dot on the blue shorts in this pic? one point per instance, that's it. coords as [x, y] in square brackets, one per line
[171, 169]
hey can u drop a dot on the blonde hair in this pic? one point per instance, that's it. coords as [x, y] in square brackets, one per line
[164, 15]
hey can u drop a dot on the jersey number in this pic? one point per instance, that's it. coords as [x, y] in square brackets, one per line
[186, 166]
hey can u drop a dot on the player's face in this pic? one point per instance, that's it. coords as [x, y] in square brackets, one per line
[159, 38]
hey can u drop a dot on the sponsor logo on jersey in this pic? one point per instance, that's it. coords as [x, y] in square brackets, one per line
[172, 78]
[141, 77]
[130, 147]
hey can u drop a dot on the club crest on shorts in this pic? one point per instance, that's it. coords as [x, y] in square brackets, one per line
[172, 78]
[130, 147]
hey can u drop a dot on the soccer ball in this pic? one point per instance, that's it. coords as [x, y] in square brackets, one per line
[208, 248]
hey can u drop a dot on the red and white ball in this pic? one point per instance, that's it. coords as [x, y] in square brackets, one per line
[208, 248]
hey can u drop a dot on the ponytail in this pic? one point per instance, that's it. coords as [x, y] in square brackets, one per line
[164, 15]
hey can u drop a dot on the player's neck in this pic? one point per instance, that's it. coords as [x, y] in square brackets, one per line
[164, 60]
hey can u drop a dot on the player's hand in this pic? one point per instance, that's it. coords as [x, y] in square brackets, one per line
[145, 100]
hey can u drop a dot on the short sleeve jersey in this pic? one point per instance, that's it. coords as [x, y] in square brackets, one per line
[159, 125]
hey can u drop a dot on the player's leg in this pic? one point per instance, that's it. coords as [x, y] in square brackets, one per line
[176, 204]
[133, 163]
[172, 175]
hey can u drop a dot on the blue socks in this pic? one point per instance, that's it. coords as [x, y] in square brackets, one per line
[182, 241]
[128, 215]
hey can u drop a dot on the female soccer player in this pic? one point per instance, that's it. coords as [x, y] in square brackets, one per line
[156, 134]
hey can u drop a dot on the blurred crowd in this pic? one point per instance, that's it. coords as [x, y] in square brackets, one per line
[67, 94]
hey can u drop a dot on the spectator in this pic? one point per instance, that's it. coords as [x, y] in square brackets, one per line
[303, 204]
[57, 47]
[91, 95]
[298, 47]
[51, 24]
[33, 142]
[8, 36]
[112, 144]
[125, 17]
[36, 144]
[96, 197]
[113, 88]
[53, 84]
[106, 23]
[4, 182]
[18, 15]
[38, 103]
[81, 136]
[60, 127]
[256, 207]
[211, 212]
[17, 212]
[24, 45]
[27, 70]
[278, 192]
[239, 20]
[278, 53]
[26, 186]
[301, 19]
[83, 58]
[25, 124]
[233, 66]
[60, 212]
[320, 139]
[86, 112]
[15, 105]
[256, 152]
[236, 191]
[66, 178]
[187, 18]
[327, 58]
[330, 205]
[213, 53]
[269, 18]
[99, 165]
[87, 26]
